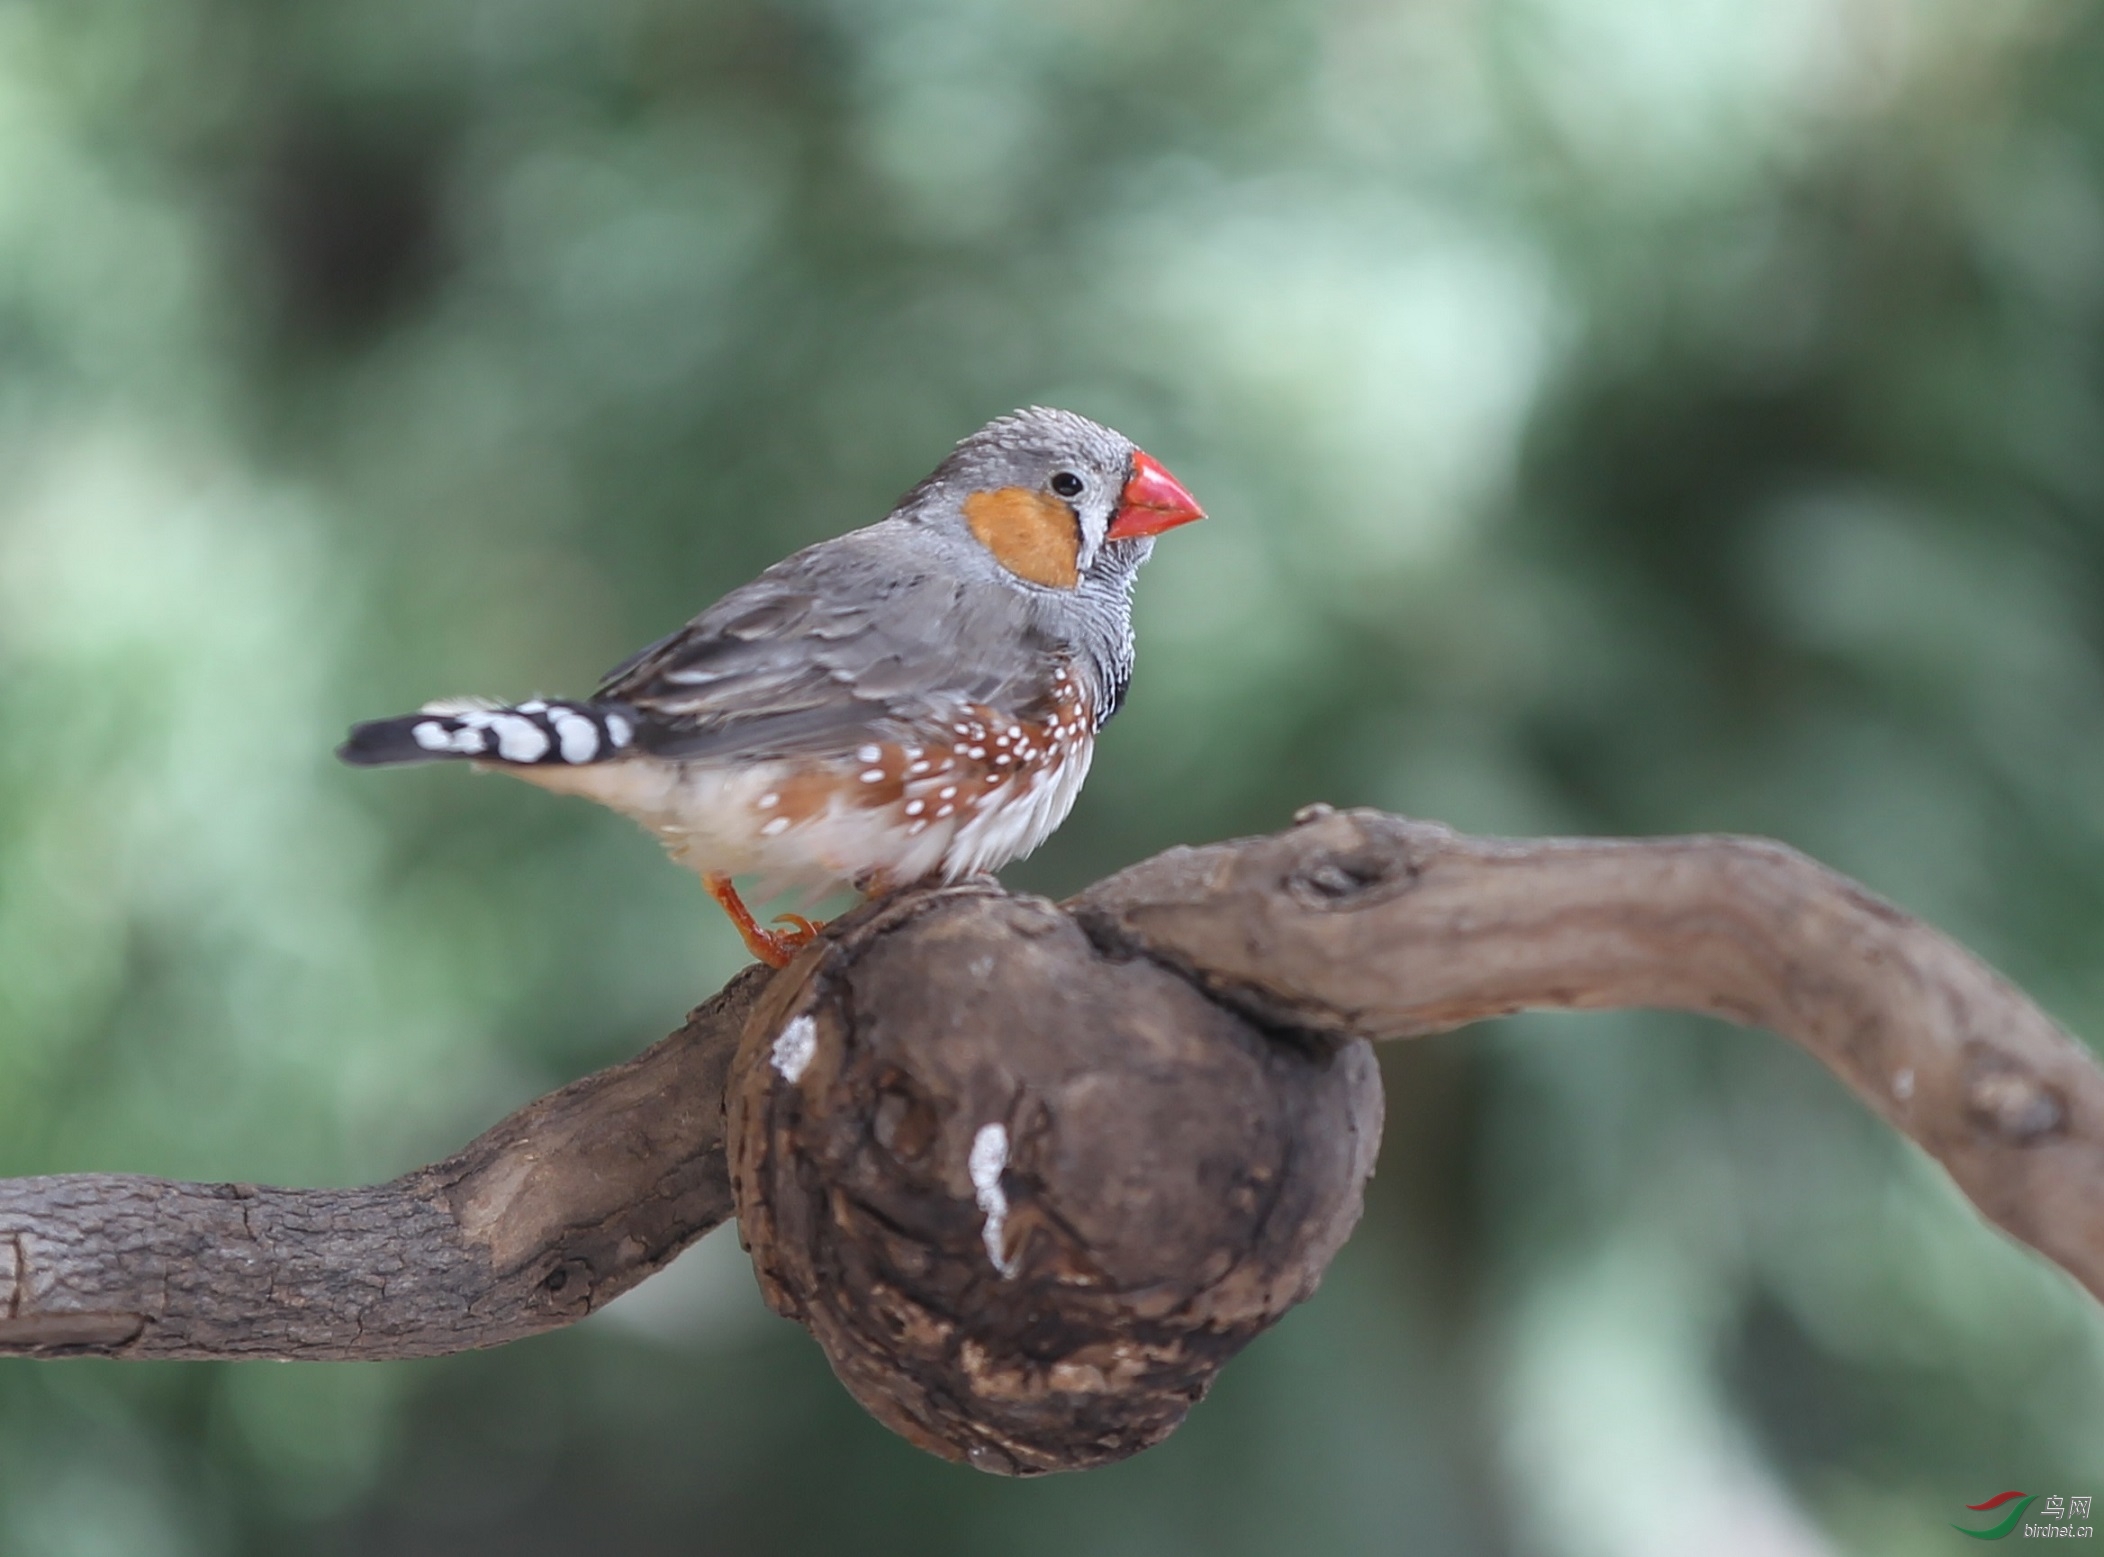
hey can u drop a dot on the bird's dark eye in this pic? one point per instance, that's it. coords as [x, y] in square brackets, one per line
[1066, 483]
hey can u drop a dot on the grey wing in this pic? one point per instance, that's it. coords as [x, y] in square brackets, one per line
[826, 649]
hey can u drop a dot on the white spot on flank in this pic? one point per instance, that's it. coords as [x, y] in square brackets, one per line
[579, 737]
[915, 807]
[770, 800]
[779, 825]
[519, 739]
[914, 753]
[869, 754]
[989, 1155]
[471, 741]
[1003, 760]
[1903, 1084]
[943, 811]
[793, 1047]
[976, 753]
[431, 736]
[618, 731]
[872, 775]
[949, 792]
[919, 767]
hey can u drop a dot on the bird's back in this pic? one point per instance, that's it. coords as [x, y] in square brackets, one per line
[871, 634]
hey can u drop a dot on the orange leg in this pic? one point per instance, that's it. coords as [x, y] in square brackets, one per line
[773, 947]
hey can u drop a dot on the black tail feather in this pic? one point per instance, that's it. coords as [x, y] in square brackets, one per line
[383, 743]
[534, 732]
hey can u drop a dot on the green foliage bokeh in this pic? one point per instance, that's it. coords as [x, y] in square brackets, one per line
[1616, 415]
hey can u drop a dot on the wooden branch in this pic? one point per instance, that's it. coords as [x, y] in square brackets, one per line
[1030, 1197]
[1364, 923]
[1353, 923]
[568, 1203]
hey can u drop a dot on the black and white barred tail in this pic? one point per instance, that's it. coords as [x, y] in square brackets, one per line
[534, 732]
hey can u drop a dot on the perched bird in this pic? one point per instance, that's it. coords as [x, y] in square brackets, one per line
[913, 701]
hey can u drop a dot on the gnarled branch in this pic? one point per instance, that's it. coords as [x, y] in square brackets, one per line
[568, 1203]
[1353, 924]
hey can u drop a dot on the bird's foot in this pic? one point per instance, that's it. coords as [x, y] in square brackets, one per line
[773, 947]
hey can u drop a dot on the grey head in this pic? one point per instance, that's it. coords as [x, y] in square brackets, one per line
[1058, 503]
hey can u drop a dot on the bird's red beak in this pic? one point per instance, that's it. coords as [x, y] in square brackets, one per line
[1153, 501]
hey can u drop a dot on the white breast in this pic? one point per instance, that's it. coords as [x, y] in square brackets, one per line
[1023, 820]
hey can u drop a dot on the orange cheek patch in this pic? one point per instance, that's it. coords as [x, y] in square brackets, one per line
[1032, 535]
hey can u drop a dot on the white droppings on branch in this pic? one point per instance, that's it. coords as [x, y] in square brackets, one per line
[793, 1048]
[989, 1156]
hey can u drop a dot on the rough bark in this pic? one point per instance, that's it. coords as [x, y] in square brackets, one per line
[1380, 927]
[1028, 1196]
[566, 1204]
[1353, 924]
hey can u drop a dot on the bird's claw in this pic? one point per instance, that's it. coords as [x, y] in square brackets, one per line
[773, 947]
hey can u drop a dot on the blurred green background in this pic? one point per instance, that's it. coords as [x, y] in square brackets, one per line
[1616, 415]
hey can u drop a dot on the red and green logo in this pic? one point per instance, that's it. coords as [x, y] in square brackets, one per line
[2022, 1500]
